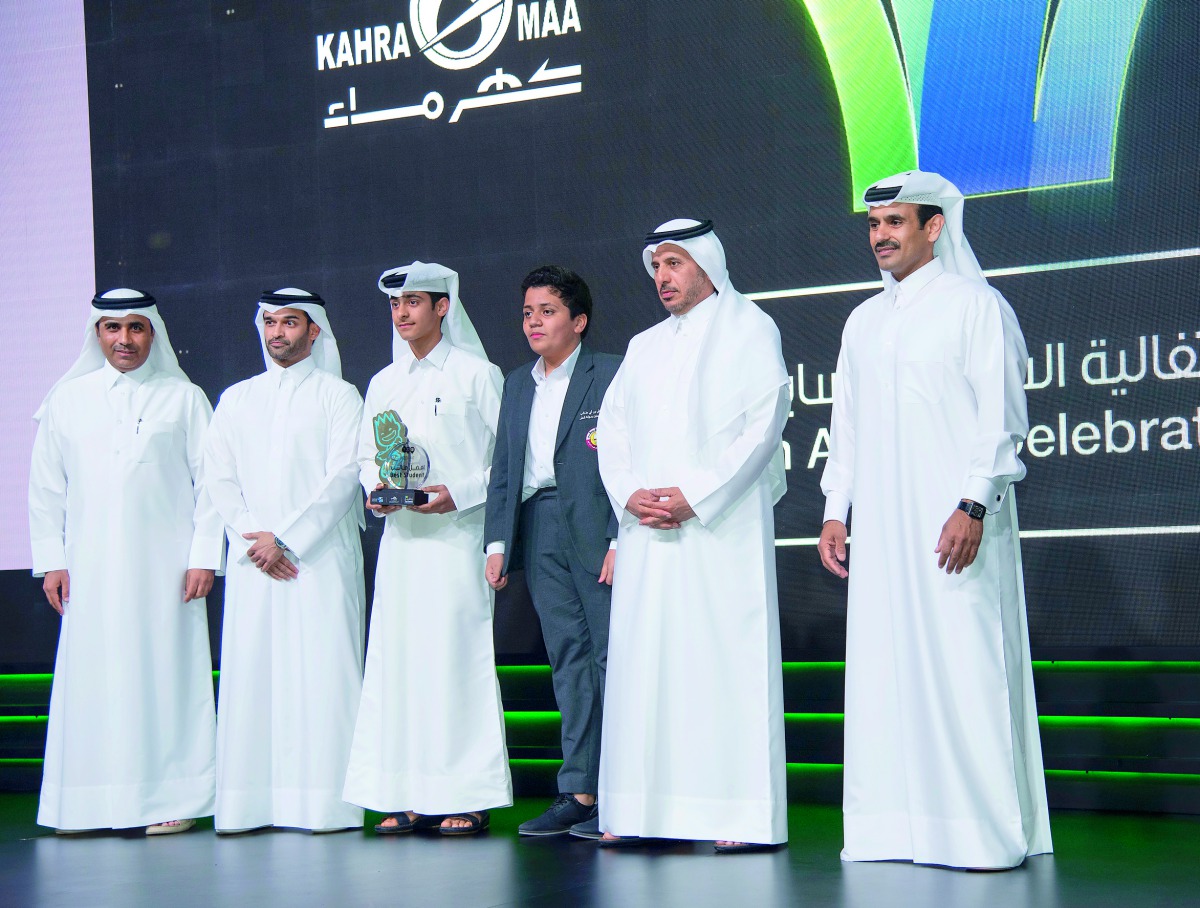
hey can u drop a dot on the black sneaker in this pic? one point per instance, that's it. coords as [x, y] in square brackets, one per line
[559, 817]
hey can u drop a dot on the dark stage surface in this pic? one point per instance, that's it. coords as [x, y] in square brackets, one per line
[1102, 860]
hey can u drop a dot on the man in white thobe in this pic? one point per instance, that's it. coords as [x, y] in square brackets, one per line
[689, 442]
[128, 546]
[429, 745]
[943, 762]
[280, 457]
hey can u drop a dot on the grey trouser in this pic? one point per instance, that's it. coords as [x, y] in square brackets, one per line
[573, 607]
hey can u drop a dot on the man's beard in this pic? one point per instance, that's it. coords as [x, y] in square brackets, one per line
[286, 353]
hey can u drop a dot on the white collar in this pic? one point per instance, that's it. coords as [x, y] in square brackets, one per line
[907, 289]
[696, 318]
[137, 376]
[296, 372]
[436, 357]
[567, 367]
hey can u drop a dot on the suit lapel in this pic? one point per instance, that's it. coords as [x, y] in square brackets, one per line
[519, 431]
[581, 381]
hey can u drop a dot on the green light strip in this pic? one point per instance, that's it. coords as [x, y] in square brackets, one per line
[829, 768]
[520, 717]
[1186, 778]
[913, 18]
[1117, 722]
[548, 717]
[1087, 665]
[872, 89]
[822, 768]
[1132, 666]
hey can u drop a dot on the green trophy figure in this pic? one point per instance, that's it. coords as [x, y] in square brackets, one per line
[401, 463]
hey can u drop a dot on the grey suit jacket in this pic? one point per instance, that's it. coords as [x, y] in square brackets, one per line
[585, 504]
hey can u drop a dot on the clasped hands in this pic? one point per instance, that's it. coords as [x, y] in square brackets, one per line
[660, 509]
[270, 558]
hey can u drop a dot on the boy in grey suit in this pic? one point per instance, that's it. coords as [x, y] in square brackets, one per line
[547, 511]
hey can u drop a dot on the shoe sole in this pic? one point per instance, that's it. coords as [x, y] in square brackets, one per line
[543, 834]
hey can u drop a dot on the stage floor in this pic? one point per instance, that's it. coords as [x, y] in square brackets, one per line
[1102, 860]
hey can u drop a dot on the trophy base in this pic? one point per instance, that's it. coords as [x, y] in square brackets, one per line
[392, 498]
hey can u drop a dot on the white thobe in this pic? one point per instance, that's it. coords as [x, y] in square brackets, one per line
[943, 761]
[114, 499]
[280, 458]
[693, 744]
[430, 731]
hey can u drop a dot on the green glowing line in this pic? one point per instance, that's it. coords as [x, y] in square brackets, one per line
[1185, 778]
[1112, 160]
[1117, 722]
[1088, 665]
[830, 768]
[515, 670]
[913, 18]
[1044, 52]
[871, 88]
[550, 717]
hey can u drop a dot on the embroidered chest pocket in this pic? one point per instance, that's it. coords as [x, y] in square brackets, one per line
[450, 421]
[920, 366]
[154, 441]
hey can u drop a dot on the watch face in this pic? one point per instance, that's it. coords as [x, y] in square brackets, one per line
[973, 509]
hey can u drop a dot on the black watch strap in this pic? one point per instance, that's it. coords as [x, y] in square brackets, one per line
[972, 509]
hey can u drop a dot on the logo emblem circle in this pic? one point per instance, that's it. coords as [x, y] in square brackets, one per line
[492, 17]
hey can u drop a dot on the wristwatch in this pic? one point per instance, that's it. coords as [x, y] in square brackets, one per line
[972, 509]
[282, 546]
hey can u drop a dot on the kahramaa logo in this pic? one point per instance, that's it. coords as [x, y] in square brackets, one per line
[467, 40]
[491, 17]
[1026, 96]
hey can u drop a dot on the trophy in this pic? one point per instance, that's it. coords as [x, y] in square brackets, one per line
[401, 463]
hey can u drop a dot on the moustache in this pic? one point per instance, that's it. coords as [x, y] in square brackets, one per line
[887, 244]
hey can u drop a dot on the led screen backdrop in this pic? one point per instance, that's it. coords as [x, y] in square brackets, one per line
[251, 145]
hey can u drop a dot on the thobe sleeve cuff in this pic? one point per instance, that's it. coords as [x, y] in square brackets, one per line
[612, 545]
[48, 555]
[468, 493]
[988, 492]
[495, 548]
[300, 536]
[207, 553]
[619, 493]
[699, 495]
[837, 506]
